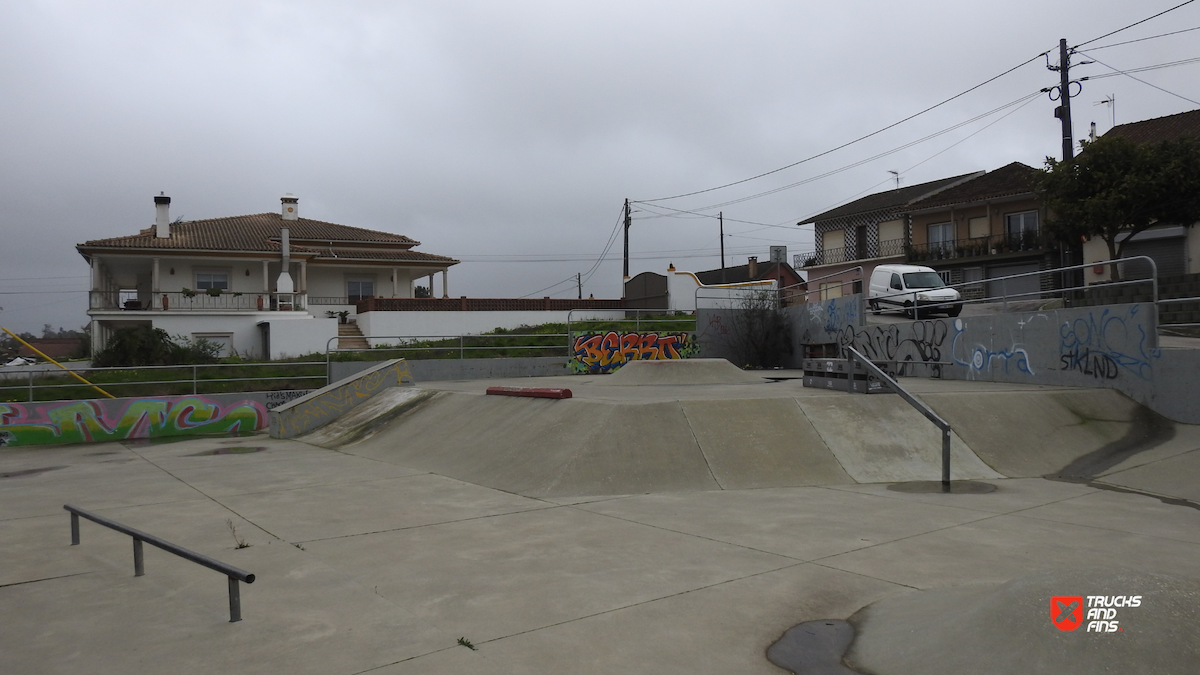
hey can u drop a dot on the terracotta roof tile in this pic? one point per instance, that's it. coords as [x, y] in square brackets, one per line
[890, 200]
[1007, 181]
[1160, 128]
[261, 233]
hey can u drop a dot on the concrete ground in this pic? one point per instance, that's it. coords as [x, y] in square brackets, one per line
[365, 564]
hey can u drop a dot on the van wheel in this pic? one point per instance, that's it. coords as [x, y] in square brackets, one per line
[874, 307]
[908, 310]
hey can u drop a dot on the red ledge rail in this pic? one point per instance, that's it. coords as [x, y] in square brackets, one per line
[532, 392]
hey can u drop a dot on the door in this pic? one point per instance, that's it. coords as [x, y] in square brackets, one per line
[1030, 284]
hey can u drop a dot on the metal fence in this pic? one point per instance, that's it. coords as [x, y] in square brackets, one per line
[194, 379]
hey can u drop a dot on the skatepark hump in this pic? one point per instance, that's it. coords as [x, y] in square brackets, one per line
[677, 427]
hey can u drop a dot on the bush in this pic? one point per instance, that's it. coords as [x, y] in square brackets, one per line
[146, 346]
[760, 331]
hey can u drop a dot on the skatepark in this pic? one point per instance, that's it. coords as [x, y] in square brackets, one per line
[662, 519]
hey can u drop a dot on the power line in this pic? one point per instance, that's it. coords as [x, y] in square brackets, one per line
[860, 138]
[1118, 70]
[1136, 23]
[1182, 62]
[1152, 37]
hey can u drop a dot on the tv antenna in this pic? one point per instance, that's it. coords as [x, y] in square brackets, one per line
[1111, 102]
[896, 177]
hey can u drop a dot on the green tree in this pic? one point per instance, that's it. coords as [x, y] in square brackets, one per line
[1116, 185]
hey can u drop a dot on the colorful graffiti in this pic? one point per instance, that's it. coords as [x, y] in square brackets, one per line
[122, 419]
[1107, 343]
[606, 352]
[920, 343]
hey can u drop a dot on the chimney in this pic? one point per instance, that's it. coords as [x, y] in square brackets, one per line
[753, 271]
[291, 207]
[162, 221]
[284, 283]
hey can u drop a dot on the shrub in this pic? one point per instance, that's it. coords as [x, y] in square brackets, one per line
[147, 346]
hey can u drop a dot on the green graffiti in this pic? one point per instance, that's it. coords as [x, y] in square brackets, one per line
[91, 421]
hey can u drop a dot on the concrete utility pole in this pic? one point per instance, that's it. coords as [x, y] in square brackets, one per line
[579, 283]
[721, 218]
[1063, 111]
[626, 269]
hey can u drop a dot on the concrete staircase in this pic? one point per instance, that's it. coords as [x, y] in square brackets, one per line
[350, 337]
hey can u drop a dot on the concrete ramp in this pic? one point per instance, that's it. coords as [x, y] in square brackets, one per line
[680, 372]
[547, 448]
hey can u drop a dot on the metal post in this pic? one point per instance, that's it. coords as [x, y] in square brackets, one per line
[235, 601]
[945, 460]
[460, 348]
[30, 374]
[139, 568]
[193, 379]
[74, 529]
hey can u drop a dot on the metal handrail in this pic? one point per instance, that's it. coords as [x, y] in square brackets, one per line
[233, 573]
[925, 410]
[808, 289]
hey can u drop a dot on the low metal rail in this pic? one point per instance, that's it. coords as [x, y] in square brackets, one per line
[914, 402]
[234, 574]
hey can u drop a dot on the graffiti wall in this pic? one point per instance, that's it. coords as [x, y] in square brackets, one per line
[1071, 347]
[324, 405]
[606, 352]
[101, 420]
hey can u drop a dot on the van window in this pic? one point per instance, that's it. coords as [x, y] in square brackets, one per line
[896, 282]
[923, 280]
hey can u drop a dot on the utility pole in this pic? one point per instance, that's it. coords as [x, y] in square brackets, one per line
[579, 283]
[626, 269]
[1063, 111]
[721, 218]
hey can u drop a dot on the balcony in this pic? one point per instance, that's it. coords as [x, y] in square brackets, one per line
[195, 301]
[891, 247]
[976, 247]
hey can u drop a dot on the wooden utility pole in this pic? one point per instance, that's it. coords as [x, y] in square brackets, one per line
[721, 218]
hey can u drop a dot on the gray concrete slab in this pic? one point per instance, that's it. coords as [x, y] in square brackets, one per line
[717, 630]
[755, 443]
[236, 474]
[1136, 514]
[340, 510]
[680, 372]
[1004, 547]
[1011, 494]
[801, 523]
[489, 578]
[1174, 477]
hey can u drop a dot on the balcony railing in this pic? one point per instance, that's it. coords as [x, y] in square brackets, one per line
[976, 247]
[199, 301]
[890, 247]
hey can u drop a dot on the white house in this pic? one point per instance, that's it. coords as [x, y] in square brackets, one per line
[262, 285]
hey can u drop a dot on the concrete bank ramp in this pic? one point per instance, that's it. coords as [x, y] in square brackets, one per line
[584, 447]
[680, 371]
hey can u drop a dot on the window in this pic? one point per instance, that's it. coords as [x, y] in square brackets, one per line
[357, 289]
[1022, 229]
[941, 236]
[210, 279]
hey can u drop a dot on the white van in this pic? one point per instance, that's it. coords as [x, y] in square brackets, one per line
[906, 287]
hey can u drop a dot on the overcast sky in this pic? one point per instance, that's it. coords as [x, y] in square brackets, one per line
[508, 134]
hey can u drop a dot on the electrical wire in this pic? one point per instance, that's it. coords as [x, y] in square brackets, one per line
[1182, 62]
[860, 138]
[1126, 73]
[1136, 23]
[1152, 37]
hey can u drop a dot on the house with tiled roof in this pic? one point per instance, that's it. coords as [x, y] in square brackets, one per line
[852, 239]
[970, 228]
[1174, 247]
[266, 285]
[984, 228]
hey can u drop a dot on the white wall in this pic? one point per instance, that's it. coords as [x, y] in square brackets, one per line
[449, 324]
[298, 336]
[682, 286]
[291, 334]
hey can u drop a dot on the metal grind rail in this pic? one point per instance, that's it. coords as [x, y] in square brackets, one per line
[912, 400]
[234, 574]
